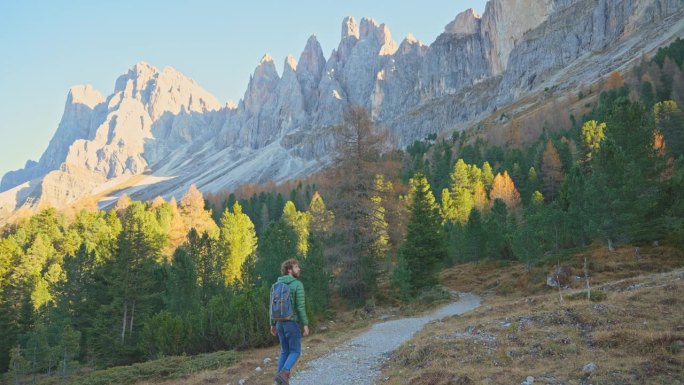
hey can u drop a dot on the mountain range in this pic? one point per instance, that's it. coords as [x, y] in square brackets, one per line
[160, 132]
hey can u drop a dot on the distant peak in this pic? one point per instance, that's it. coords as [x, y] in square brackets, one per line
[349, 27]
[410, 44]
[368, 25]
[142, 67]
[267, 58]
[290, 63]
[84, 94]
[312, 44]
[410, 39]
[466, 23]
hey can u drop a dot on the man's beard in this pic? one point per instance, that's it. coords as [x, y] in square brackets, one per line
[294, 274]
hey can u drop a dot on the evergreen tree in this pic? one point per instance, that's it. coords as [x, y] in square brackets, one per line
[182, 292]
[462, 201]
[277, 244]
[669, 120]
[497, 232]
[423, 249]
[551, 172]
[487, 175]
[475, 239]
[133, 286]
[440, 166]
[68, 349]
[76, 294]
[299, 221]
[322, 220]
[237, 241]
[207, 260]
[18, 365]
[316, 278]
[625, 170]
[593, 133]
[380, 244]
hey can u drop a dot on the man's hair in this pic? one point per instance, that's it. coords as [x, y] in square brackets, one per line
[287, 265]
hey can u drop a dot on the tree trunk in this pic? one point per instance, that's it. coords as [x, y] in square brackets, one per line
[130, 330]
[125, 315]
[586, 278]
[560, 292]
[33, 366]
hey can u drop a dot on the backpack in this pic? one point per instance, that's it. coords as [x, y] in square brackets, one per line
[280, 304]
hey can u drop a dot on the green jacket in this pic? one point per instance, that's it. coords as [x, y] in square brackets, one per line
[297, 298]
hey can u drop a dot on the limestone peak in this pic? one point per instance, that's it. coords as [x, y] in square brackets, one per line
[84, 94]
[290, 64]
[465, 23]
[349, 27]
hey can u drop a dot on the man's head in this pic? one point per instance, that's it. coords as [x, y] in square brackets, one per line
[290, 267]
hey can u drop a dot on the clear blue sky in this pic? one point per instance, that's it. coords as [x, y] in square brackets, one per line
[48, 46]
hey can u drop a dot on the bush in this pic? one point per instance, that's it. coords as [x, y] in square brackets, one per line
[165, 368]
[433, 295]
[596, 296]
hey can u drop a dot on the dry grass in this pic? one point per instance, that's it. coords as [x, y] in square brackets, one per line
[633, 336]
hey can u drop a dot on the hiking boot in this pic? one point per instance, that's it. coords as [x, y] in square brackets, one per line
[283, 378]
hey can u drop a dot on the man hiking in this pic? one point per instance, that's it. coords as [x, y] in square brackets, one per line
[287, 312]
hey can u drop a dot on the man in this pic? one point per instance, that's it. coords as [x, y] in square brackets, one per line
[288, 332]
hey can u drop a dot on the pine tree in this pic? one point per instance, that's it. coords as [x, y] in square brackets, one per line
[480, 200]
[380, 244]
[487, 175]
[358, 148]
[669, 120]
[68, 348]
[178, 230]
[237, 241]
[551, 172]
[626, 169]
[122, 203]
[182, 292]
[440, 165]
[593, 133]
[503, 188]
[322, 220]
[194, 214]
[475, 242]
[299, 221]
[277, 244]
[423, 249]
[498, 231]
[316, 278]
[462, 200]
[18, 365]
[76, 294]
[132, 285]
[207, 260]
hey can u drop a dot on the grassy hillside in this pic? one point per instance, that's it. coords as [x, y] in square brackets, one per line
[632, 330]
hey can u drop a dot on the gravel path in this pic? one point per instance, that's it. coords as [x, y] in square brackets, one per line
[358, 361]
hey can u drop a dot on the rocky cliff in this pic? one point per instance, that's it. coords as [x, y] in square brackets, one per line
[161, 123]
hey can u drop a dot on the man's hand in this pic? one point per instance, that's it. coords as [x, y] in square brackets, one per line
[274, 332]
[306, 330]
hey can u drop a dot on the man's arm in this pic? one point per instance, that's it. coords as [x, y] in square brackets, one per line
[301, 306]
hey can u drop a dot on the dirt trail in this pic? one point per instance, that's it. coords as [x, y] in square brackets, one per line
[358, 361]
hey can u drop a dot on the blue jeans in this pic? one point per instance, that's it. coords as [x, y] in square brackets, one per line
[290, 338]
